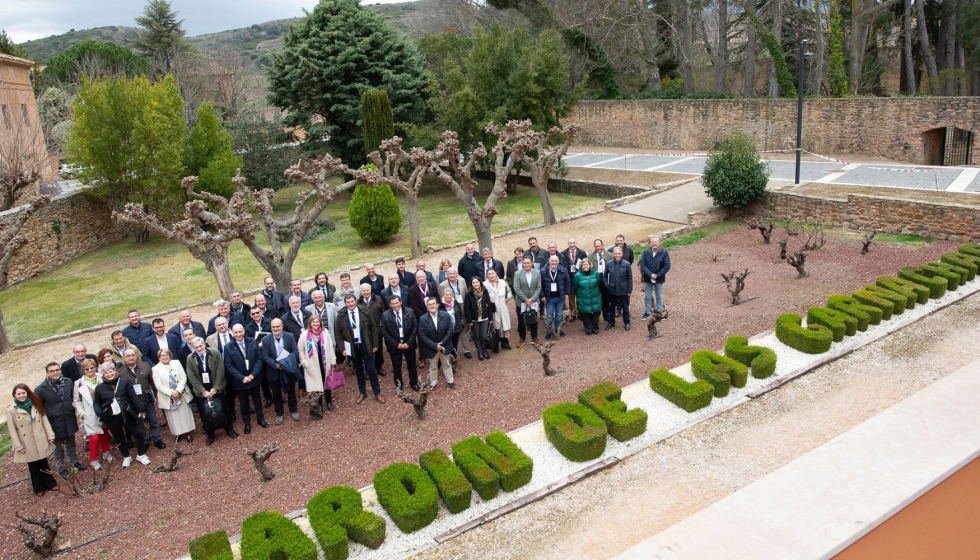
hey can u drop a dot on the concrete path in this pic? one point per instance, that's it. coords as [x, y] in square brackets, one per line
[958, 179]
[674, 204]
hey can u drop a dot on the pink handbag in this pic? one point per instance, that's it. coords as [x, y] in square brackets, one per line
[334, 380]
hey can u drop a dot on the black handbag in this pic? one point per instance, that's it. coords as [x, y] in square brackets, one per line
[493, 340]
[530, 317]
[214, 412]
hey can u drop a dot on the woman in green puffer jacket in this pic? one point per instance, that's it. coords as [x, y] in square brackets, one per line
[586, 282]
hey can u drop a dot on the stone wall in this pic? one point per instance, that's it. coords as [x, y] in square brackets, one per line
[888, 128]
[66, 228]
[955, 222]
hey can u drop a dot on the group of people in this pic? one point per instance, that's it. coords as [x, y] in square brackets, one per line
[284, 345]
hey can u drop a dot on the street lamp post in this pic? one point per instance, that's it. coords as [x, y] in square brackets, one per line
[799, 110]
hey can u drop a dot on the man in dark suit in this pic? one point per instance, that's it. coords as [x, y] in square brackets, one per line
[399, 328]
[376, 281]
[326, 288]
[514, 265]
[273, 297]
[571, 258]
[294, 320]
[395, 288]
[358, 332]
[257, 325]
[268, 310]
[296, 289]
[72, 367]
[239, 306]
[243, 364]
[436, 337]
[371, 304]
[273, 345]
[539, 257]
[407, 278]
[159, 340]
[419, 292]
[206, 374]
[184, 322]
[469, 265]
[627, 251]
[136, 331]
[224, 310]
[489, 263]
[140, 375]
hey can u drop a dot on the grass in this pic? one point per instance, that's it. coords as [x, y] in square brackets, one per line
[101, 286]
[904, 238]
[5, 444]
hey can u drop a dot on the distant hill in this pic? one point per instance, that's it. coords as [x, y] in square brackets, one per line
[254, 42]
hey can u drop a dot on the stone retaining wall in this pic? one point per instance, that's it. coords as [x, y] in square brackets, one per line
[576, 186]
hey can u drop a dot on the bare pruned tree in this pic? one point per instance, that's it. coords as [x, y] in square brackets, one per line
[23, 156]
[545, 351]
[418, 402]
[259, 457]
[765, 226]
[43, 544]
[798, 261]
[655, 318]
[739, 284]
[210, 224]
[231, 76]
[275, 260]
[867, 242]
[541, 157]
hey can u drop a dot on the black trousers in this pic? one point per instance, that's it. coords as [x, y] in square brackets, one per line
[608, 313]
[278, 388]
[208, 429]
[41, 481]
[396, 366]
[379, 357]
[591, 321]
[620, 302]
[230, 403]
[266, 389]
[522, 329]
[480, 331]
[256, 394]
[116, 425]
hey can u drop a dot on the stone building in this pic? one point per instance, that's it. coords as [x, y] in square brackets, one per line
[18, 109]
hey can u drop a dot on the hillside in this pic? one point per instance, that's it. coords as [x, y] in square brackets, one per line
[254, 42]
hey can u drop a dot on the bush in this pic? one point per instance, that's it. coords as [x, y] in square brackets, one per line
[484, 478]
[937, 286]
[455, 490]
[604, 400]
[373, 212]
[269, 534]
[955, 275]
[687, 395]
[733, 175]
[498, 463]
[212, 546]
[523, 467]
[720, 371]
[865, 314]
[762, 360]
[377, 123]
[972, 249]
[970, 263]
[409, 496]
[900, 302]
[912, 290]
[336, 514]
[839, 323]
[575, 431]
[866, 297]
[814, 339]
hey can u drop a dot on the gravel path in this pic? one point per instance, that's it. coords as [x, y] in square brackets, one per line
[618, 508]
[505, 393]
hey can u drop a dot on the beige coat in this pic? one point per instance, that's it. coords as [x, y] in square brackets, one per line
[311, 369]
[85, 410]
[501, 319]
[36, 437]
[161, 381]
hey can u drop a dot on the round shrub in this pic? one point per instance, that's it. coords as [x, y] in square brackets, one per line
[408, 495]
[734, 175]
[373, 213]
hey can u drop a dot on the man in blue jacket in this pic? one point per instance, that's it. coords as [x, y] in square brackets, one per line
[555, 287]
[281, 379]
[654, 265]
[244, 364]
[619, 285]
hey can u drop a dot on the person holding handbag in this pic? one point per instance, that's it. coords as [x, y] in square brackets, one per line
[92, 427]
[174, 395]
[206, 374]
[115, 402]
[527, 295]
[31, 437]
[316, 356]
[500, 295]
[479, 315]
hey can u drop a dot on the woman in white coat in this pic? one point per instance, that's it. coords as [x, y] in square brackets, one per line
[500, 295]
[98, 438]
[174, 395]
[316, 355]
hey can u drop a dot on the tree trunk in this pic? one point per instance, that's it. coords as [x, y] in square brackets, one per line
[412, 201]
[961, 66]
[649, 47]
[859, 38]
[4, 342]
[907, 50]
[777, 30]
[484, 239]
[750, 50]
[686, 45]
[549, 211]
[721, 67]
[950, 51]
[818, 37]
[926, 48]
[220, 268]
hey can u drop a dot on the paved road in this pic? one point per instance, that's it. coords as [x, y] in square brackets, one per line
[962, 179]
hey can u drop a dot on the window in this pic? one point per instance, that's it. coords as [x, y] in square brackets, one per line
[23, 109]
[6, 117]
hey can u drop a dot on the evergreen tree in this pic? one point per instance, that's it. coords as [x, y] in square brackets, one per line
[163, 34]
[377, 121]
[734, 175]
[327, 61]
[373, 212]
[94, 59]
[266, 149]
[8, 46]
[838, 74]
[208, 153]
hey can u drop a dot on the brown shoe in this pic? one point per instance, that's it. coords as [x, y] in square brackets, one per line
[360, 398]
[538, 341]
[379, 398]
[521, 343]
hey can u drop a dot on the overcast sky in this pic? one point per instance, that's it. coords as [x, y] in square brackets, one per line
[25, 20]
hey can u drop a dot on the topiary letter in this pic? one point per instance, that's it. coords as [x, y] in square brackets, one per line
[762, 360]
[409, 496]
[604, 400]
[269, 535]
[687, 395]
[575, 431]
[336, 514]
[814, 339]
[212, 546]
[453, 487]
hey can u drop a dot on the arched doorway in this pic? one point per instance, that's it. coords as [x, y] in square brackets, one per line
[947, 146]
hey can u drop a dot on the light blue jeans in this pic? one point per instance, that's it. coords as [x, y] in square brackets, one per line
[555, 307]
[648, 290]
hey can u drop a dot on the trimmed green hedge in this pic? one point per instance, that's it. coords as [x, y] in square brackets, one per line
[839, 323]
[687, 395]
[455, 490]
[814, 339]
[762, 360]
[886, 306]
[956, 276]
[270, 535]
[908, 288]
[212, 546]
[484, 478]
[604, 399]
[575, 431]
[865, 314]
[937, 286]
[336, 515]
[522, 468]
[409, 496]
[900, 301]
[971, 249]
[969, 262]
[709, 365]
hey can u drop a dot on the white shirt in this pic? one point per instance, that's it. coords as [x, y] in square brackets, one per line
[162, 342]
[435, 321]
[356, 327]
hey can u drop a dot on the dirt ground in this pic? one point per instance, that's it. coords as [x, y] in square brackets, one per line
[625, 176]
[841, 192]
[787, 156]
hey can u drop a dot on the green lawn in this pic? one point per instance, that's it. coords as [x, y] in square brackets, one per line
[101, 286]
